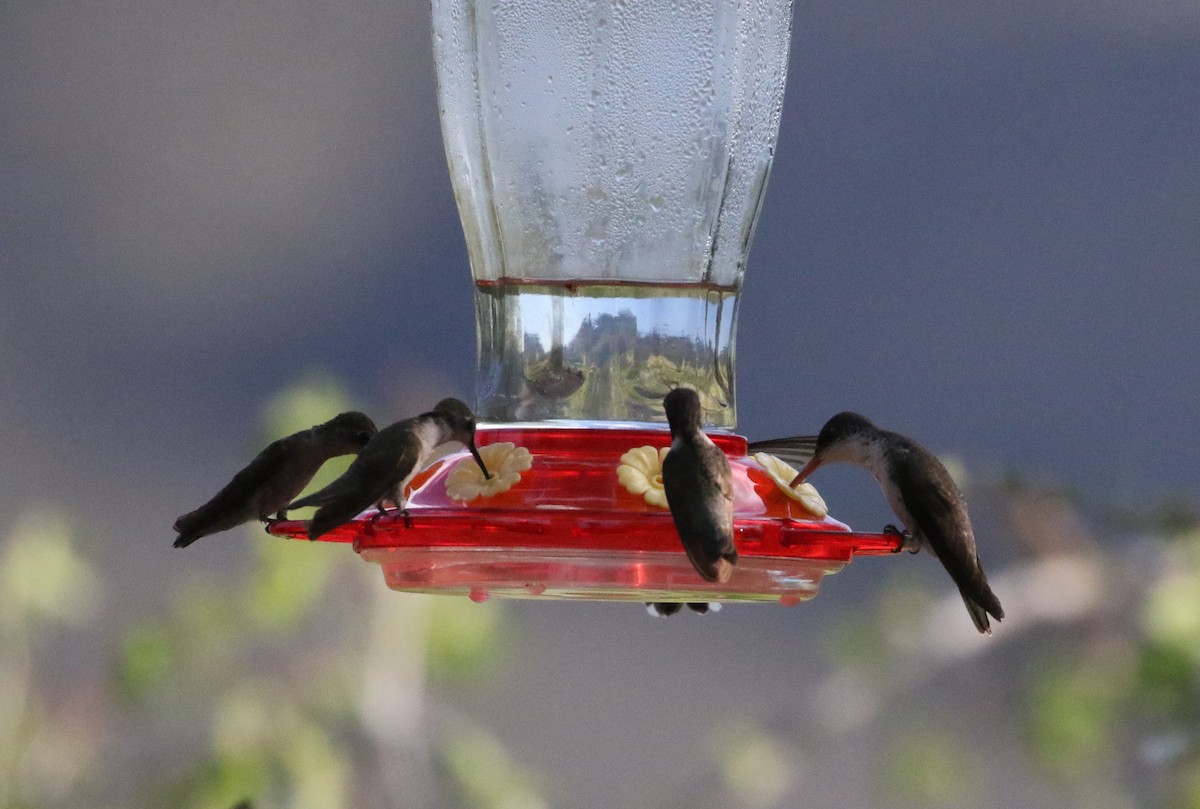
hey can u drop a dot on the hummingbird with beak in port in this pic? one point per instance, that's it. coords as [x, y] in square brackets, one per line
[386, 465]
[919, 490]
[275, 476]
[699, 488]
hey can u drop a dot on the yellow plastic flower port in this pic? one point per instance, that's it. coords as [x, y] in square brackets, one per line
[505, 461]
[783, 474]
[640, 472]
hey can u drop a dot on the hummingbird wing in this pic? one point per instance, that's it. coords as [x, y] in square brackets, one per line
[237, 502]
[939, 514]
[370, 467]
[375, 474]
[797, 450]
[699, 489]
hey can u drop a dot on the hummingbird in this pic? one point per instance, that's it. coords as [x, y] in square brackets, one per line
[699, 489]
[388, 463]
[275, 476]
[919, 490]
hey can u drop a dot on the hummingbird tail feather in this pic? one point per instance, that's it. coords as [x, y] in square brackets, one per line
[978, 616]
[712, 566]
[185, 539]
[723, 567]
[332, 516]
[980, 604]
[196, 524]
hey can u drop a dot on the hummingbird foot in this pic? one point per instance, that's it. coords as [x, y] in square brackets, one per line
[407, 517]
[383, 511]
[667, 609]
[906, 538]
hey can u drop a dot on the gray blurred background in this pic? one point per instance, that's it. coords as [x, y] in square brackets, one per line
[220, 220]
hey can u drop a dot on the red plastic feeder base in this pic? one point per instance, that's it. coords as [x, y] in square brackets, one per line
[570, 529]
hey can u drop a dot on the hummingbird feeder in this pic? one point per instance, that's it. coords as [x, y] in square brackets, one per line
[609, 161]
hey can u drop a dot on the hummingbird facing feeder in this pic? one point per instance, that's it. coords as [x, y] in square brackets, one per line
[609, 161]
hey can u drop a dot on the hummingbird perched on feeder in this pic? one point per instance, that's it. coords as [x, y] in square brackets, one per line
[388, 463]
[275, 476]
[919, 490]
[699, 489]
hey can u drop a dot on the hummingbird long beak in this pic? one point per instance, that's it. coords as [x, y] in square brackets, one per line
[808, 469]
[478, 459]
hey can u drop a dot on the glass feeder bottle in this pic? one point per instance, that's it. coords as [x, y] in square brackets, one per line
[609, 160]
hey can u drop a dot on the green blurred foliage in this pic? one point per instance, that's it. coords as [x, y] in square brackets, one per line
[314, 398]
[287, 582]
[927, 765]
[1074, 711]
[41, 574]
[868, 641]
[757, 767]
[1167, 684]
[145, 660]
[1109, 713]
[462, 639]
[46, 589]
[1167, 696]
[858, 643]
[485, 775]
[1171, 612]
[257, 673]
